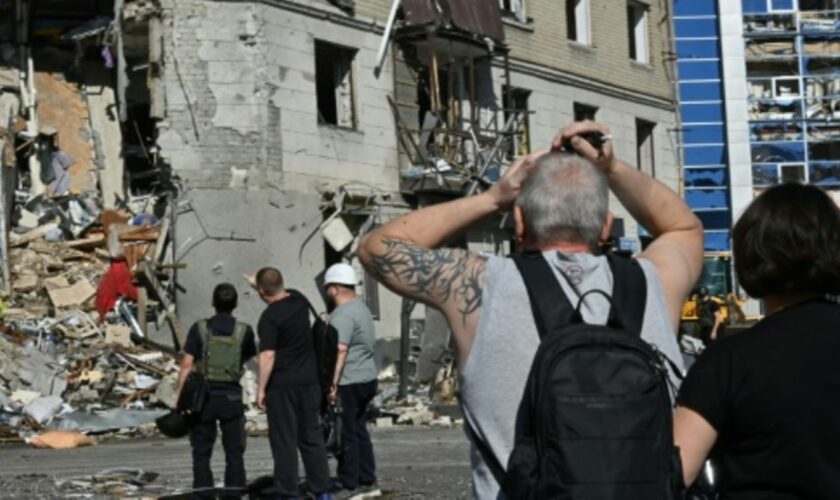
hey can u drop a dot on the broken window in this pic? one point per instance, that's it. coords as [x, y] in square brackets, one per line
[516, 101]
[823, 98]
[334, 84]
[825, 173]
[577, 21]
[819, 5]
[792, 173]
[514, 9]
[758, 48]
[637, 18]
[644, 147]
[775, 109]
[584, 112]
[770, 174]
[775, 24]
[765, 175]
[775, 131]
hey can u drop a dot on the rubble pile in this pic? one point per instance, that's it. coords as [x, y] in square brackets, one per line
[65, 373]
[61, 366]
[433, 405]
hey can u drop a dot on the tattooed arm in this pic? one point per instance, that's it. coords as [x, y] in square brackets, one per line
[404, 255]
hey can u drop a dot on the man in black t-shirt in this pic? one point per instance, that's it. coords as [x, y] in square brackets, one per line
[289, 389]
[224, 404]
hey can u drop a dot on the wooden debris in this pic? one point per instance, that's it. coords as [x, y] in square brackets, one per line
[92, 241]
[36, 234]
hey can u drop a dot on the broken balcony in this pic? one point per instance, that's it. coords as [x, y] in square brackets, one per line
[454, 130]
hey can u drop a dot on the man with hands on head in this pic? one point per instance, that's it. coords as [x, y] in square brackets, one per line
[560, 206]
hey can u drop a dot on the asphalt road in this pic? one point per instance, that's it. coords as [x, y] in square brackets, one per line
[411, 463]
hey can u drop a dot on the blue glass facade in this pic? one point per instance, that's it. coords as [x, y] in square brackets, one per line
[703, 113]
[793, 87]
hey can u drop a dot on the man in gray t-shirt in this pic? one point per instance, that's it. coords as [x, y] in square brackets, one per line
[560, 207]
[354, 382]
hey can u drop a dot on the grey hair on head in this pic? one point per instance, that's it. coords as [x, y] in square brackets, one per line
[564, 199]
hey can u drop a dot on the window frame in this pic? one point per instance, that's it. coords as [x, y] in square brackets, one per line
[581, 106]
[350, 54]
[510, 12]
[771, 9]
[582, 12]
[510, 94]
[639, 35]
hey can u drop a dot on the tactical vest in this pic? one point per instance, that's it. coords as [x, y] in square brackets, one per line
[222, 354]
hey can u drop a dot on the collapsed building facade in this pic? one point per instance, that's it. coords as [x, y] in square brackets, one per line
[277, 132]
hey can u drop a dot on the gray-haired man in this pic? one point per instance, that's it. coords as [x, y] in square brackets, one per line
[561, 209]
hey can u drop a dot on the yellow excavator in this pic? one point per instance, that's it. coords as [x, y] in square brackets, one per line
[731, 310]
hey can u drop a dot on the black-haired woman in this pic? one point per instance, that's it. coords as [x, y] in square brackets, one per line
[766, 403]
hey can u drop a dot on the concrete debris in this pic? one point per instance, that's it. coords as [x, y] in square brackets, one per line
[75, 295]
[118, 334]
[114, 419]
[118, 482]
[442, 421]
[43, 409]
[384, 422]
[417, 409]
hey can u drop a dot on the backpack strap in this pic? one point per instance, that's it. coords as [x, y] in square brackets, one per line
[629, 296]
[239, 331]
[487, 454]
[548, 300]
[204, 335]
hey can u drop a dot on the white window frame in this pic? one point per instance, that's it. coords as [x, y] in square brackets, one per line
[779, 79]
[640, 32]
[583, 26]
[517, 9]
[795, 7]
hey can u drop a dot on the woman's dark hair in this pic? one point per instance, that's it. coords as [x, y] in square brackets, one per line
[224, 298]
[788, 242]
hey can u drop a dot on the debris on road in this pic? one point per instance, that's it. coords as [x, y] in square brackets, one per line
[62, 440]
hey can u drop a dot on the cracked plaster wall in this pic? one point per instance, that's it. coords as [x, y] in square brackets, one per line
[241, 130]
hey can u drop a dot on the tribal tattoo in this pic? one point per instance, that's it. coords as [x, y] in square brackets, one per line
[436, 275]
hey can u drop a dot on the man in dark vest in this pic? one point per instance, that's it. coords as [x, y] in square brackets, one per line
[218, 347]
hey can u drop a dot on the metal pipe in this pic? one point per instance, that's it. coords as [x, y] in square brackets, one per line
[405, 346]
[493, 152]
[386, 38]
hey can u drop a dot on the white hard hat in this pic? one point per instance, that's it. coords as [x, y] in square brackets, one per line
[340, 274]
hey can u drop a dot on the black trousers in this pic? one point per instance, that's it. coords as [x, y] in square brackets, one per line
[228, 413]
[294, 424]
[356, 465]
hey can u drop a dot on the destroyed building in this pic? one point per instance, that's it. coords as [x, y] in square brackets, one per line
[760, 103]
[276, 132]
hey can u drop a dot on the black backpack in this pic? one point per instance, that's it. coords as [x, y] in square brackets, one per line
[596, 416]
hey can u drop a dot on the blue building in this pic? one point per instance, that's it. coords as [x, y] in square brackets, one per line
[759, 91]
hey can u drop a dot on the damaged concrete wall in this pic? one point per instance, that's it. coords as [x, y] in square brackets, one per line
[212, 258]
[242, 131]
